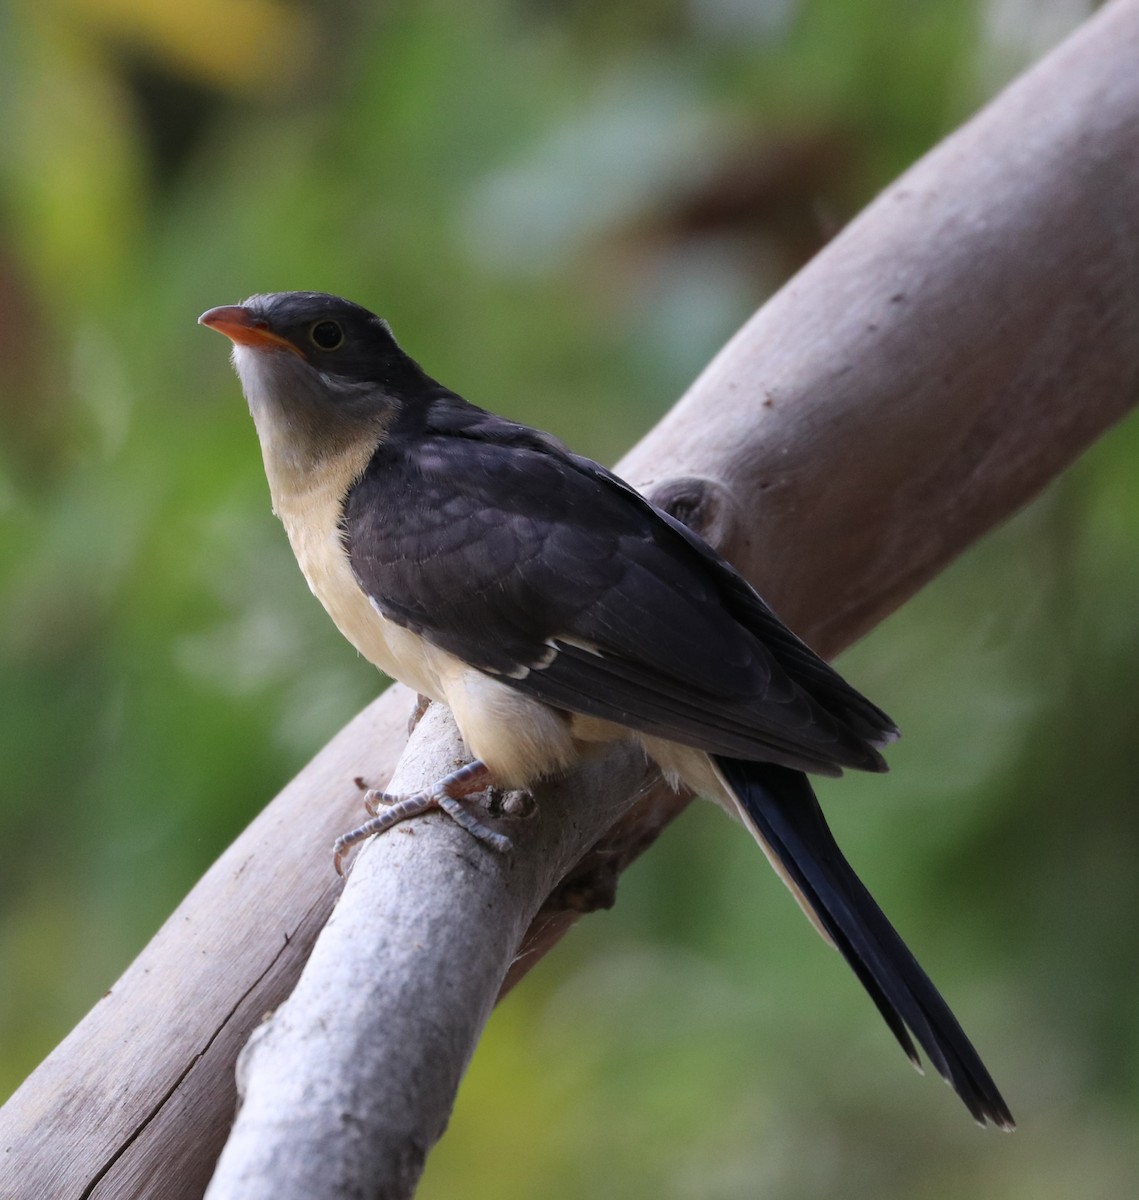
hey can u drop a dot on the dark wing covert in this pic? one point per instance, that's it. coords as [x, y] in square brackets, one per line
[498, 545]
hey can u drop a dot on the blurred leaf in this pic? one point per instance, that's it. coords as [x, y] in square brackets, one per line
[238, 44]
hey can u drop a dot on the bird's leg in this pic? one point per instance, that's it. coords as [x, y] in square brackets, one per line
[445, 795]
[499, 802]
[473, 777]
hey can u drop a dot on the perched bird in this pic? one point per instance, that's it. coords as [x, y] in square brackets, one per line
[551, 607]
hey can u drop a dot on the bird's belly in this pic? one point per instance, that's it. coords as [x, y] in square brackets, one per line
[314, 532]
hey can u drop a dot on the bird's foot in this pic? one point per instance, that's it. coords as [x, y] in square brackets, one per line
[444, 794]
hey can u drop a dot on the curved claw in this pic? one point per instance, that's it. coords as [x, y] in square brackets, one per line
[373, 799]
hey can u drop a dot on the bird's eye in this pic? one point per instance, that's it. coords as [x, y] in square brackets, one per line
[327, 335]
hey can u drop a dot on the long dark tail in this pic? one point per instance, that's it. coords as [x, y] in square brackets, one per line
[782, 809]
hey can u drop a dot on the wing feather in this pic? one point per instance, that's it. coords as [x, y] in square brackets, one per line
[494, 543]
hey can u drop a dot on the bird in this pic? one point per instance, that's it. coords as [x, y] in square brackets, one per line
[554, 609]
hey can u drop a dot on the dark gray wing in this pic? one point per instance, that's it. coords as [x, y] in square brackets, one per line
[530, 563]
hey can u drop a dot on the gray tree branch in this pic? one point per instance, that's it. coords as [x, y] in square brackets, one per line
[958, 345]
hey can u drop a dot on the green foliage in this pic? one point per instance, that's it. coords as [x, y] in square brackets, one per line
[535, 195]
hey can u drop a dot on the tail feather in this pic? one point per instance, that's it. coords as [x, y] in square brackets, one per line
[780, 806]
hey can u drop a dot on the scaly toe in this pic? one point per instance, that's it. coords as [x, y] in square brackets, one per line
[374, 800]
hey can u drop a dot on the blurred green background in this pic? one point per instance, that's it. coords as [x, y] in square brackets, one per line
[564, 209]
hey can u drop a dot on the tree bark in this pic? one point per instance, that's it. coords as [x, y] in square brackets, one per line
[949, 353]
